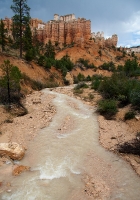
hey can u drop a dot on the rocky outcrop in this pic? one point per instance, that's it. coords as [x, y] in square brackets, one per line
[8, 25]
[67, 29]
[36, 23]
[112, 41]
[100, 39]
[12, 150]
[69, 78]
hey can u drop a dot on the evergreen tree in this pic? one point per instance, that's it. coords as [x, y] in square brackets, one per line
[50, 52]
[3, 32]
[28, 44]
[20, 20]
[27, 38]
[10, 81]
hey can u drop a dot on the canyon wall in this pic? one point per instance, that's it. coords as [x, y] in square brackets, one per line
[64, 30]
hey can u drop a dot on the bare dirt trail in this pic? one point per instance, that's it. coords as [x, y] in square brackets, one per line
[67, 161]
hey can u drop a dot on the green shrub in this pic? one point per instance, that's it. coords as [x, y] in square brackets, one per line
[88, 78]
[135, 96]
[78, 91]
[64, 64]
[42, 60]
[129, 115]
[30, 54]
[117, 87]
[119, 68]
[79, 78]
[81, 85]
[83, 62]
[107, 108]
[91, 96]
[118, 58]
[92, 66]
[108, 66]
[130, 67]
[96, 80]
[75, 80]
[86, 64]
[49, 62]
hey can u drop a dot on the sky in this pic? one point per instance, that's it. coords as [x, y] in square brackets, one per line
[121, 17]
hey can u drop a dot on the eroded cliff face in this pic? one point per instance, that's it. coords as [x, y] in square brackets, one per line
[100, 39]
[66, 30]
[63, 30]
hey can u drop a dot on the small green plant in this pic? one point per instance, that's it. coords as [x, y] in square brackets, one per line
[80, 77]
[88, 78]
[78, 91]
[129, 115]
[91, 96]
[81, 85]
[96, 80]
[8, 121]
[133, 54]
[135, 96]
[107, 108]
[108, 66]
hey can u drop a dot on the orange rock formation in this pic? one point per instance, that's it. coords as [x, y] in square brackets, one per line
[99, 38]
[65, 30]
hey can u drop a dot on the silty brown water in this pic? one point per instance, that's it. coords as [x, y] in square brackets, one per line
[58, 157]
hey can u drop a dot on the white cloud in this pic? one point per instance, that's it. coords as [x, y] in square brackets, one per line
[133, 24]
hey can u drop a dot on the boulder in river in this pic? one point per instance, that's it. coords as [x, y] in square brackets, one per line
[13, 150]
[18, 169]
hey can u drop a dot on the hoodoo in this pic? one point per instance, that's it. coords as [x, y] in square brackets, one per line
[64, 30]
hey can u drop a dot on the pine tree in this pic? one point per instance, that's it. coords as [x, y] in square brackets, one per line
[20, 20]
[10, 79]
[3, 32]
[50, 51]
[27, 38]
[28, 44]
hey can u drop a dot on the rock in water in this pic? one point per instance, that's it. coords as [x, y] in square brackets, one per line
[14, 150]
[18, 169]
